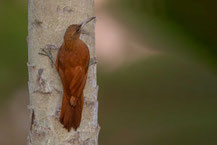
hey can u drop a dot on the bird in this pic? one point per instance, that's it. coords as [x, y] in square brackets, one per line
[72, 64]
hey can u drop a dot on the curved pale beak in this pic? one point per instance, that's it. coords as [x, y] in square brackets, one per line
[86, 21]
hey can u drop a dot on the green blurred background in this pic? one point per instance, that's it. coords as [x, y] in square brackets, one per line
[166, 95]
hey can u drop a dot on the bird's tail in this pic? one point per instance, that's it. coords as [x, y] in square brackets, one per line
[71, 115]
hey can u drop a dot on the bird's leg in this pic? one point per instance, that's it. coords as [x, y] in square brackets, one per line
[47, 52]
[92, 61]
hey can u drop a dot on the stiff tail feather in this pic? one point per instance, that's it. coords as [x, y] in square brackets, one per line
[71, 115]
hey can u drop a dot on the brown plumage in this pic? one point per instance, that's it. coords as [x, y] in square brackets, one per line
[72, 64]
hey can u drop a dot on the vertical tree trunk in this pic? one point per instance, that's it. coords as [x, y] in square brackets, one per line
[47, 22]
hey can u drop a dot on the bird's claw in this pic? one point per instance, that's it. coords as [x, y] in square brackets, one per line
[48, 54]
[92, 61]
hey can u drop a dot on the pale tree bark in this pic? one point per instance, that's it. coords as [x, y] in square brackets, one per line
[47, 22]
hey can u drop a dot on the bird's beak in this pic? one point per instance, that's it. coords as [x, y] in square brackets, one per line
[85, 22]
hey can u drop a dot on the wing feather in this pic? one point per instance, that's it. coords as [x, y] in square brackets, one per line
[77, 83]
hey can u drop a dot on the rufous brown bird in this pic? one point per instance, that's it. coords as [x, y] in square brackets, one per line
[72, 64]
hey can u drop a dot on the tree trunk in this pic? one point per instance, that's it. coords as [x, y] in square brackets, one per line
[47, 22]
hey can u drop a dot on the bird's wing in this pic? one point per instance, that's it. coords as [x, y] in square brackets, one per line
[77, 83]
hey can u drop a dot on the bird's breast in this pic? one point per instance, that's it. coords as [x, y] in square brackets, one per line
[74, 58]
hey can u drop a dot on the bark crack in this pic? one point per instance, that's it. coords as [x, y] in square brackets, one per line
[44, 86]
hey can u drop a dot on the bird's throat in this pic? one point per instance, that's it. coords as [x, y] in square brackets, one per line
[71, 44]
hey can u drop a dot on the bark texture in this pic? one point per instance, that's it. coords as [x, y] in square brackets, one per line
[47, 22]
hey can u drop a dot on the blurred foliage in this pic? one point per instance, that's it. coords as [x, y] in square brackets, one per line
[187, 26]
[13, 56]
[162, 100]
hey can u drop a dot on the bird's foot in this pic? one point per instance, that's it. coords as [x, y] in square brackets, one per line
[47, 52]
[92, 61]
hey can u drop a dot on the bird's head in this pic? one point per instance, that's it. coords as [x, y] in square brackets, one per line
[73, 31]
